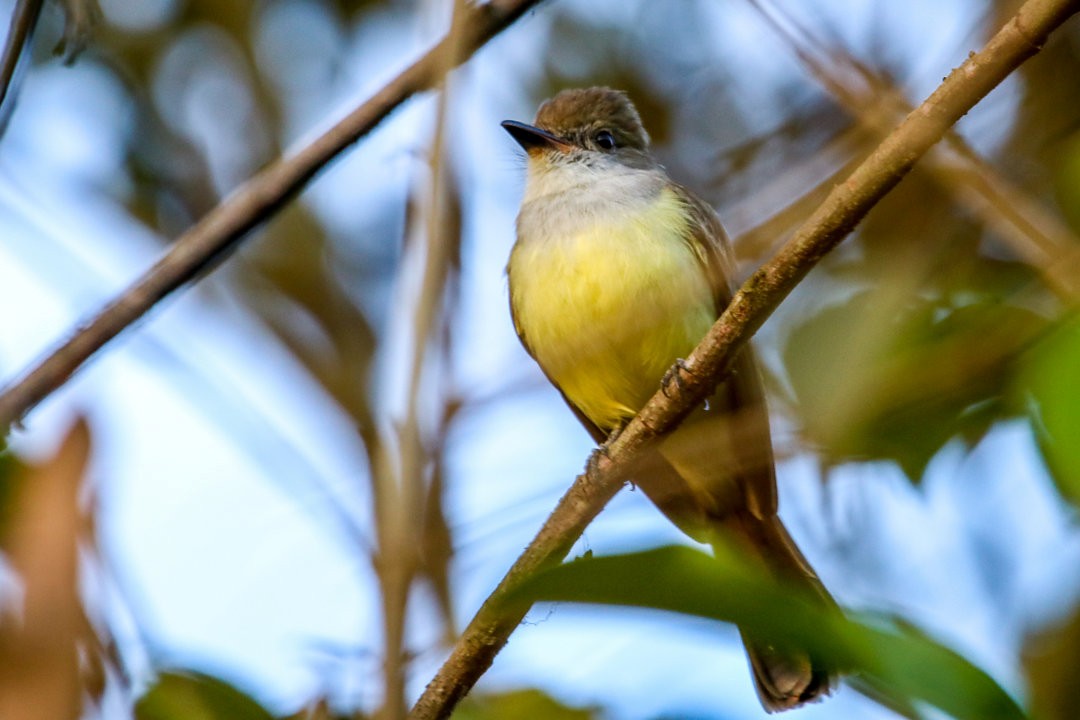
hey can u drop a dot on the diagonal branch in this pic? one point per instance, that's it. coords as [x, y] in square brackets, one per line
[24, 19]
[220, 231]
[1035, 233]
[845, 206]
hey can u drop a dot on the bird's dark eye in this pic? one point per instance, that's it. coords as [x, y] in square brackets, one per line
[605, 140]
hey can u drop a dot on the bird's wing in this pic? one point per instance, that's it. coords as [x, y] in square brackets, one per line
[741, 396]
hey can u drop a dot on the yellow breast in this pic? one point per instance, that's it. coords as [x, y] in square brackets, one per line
[607, 307]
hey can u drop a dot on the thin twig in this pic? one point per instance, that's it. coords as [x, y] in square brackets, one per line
[1038, 236]
[846, 205]
[219, 232]
[23, 19]
[400, 486]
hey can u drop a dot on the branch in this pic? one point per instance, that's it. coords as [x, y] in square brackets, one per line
[23, 20]
[220, 231]
[401, 488]
[1036, 234]
[845, 206]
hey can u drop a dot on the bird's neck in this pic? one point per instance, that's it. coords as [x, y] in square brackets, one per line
[563, 198]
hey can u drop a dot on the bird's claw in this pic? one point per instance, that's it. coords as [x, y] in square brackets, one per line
[673, 376]
[596, 459]
[603, 451]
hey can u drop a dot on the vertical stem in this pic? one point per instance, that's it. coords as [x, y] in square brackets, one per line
[402, 511]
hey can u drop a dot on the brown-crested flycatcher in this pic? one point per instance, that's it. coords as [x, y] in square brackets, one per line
[617, 273]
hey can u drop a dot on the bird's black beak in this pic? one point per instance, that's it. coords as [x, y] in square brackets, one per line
[533, 138]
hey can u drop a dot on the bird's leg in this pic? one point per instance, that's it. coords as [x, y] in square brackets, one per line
[602, 454]
[673, 376]
[614, 434]
[597, 458]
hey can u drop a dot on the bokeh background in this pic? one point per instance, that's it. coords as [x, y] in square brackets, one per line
[329, 425]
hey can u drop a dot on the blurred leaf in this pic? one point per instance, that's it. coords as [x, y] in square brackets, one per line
[874, 381]
[40, 647]
[1051, 376]
[319, 709]
[189, 695]
[896, 663]
[10, 477]
[1050, 660]
[1068, 179]
[917, 234]
[293, 287]
[530, 703]
[81, 17]
[437, 549]
[1047, 116]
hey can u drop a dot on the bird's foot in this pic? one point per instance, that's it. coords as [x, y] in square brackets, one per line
[602, 455]
[598, 459]
[673, 376]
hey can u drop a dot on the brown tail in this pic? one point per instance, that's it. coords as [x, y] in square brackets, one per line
[715, 476]
[784, 679]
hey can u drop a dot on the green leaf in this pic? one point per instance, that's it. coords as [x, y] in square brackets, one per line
[189, 695]
[897, 663]
[1052, 379]
[878, 377]
[527, 703]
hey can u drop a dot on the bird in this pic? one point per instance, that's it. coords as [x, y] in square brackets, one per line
[616, 274]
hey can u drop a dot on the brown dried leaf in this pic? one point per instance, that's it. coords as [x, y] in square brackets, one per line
[39, 664]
